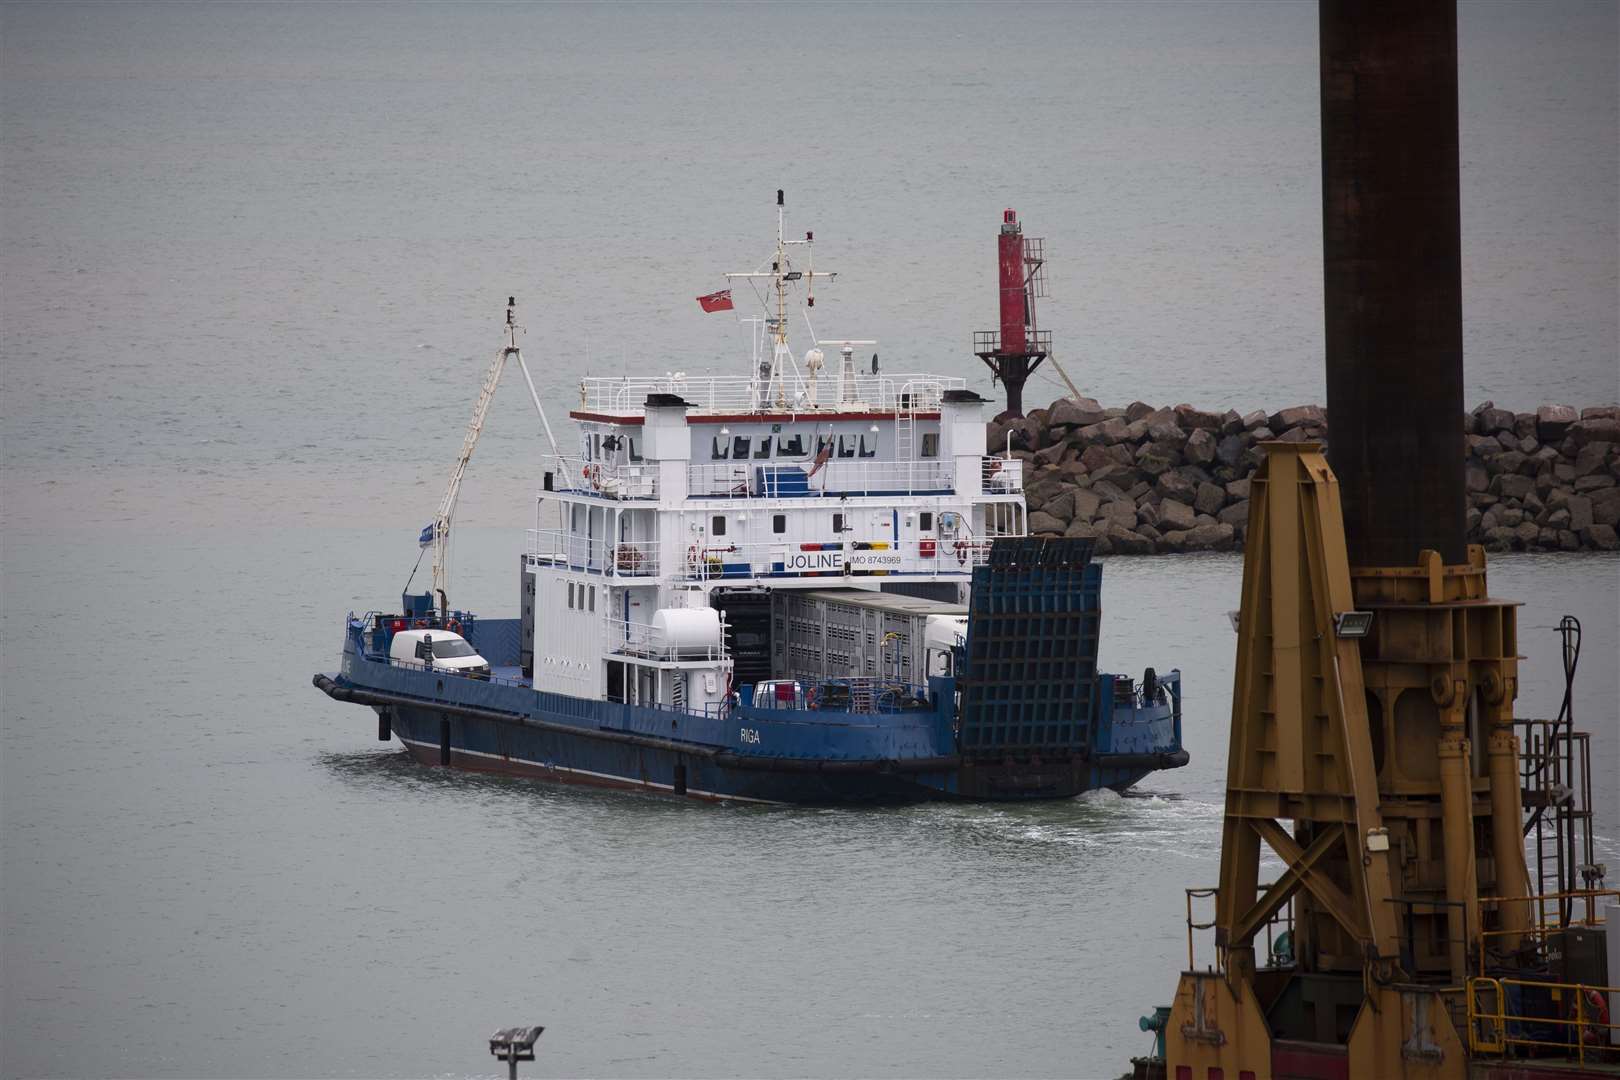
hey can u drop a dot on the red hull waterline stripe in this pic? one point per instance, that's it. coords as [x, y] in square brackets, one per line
[427, 753]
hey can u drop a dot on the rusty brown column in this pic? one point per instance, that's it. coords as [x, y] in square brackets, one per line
[1392, 246]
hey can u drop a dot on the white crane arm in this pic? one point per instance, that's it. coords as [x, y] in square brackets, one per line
[447, 508]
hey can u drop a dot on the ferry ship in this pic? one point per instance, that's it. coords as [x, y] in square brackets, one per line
[795, 585]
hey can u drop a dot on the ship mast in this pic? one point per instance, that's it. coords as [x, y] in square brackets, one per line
[771, 373]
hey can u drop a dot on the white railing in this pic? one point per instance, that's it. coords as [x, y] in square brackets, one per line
[1002, 475]
[839, 476]
[831, 559]
[578, 476]
[626, 637]
[742, 394]
[615, 559]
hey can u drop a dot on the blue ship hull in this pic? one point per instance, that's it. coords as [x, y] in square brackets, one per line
[1029, 718]
[504, 726]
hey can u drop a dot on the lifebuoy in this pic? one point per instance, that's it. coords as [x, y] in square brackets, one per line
[454, 626]
[420, 623]
[1590, 1007]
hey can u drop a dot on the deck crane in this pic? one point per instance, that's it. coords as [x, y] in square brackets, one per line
[486, 394]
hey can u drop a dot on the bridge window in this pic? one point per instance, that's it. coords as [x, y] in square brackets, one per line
[764, 448]
[778, 523]
[593, 597]
[838, 523]
[846, 446]
[930, 444]
[570, 594]
[635, 451]
[739, 447]
[869, 446]
[717, 527]
[925, 521]
[721, 449]
[790, 445]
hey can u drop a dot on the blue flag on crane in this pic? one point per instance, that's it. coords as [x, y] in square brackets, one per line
[426, 539]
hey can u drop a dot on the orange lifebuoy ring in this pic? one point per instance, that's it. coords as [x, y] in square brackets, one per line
[454, 626]
[1589, 1006]
[420, 623]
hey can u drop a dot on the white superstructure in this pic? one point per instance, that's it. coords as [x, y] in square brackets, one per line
[686, 496]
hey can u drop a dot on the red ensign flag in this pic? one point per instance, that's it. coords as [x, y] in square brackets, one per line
[716, 301]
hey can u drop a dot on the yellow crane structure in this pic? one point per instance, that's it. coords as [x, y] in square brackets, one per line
[1373, 748]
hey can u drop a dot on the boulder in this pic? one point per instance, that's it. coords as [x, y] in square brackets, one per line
[1229, 450]
[1173, 541]
[1128, 542]
[1568, 541]
[1580, 512]
[1173, 485]
[1238, 489]
[1075, 412]
[1213, 537]
[1137, 410]
[1235, 515]
[1284, 419]
[1602, 537]
[1512, 486]
[1263, 434]
[1108, 431]
[1526, 533]
[1557, 519]
[1589, 459]
[1200, 447]
[1586, 432]
[1231, 423]
[1061, 505]
[1147, 514]
[1509, 461]
[1085, 504]
[1094, 457]
[1175, 514]
[1524, 425]
[1606, 506]
[1197, 419]
[1083, 530]
[1210, 499]
[1499, 539]
[1488, 419]
[1253, 420]
[1163, 427]
[1553, 421]
[1042, 522]
[1483, 446]
[1510, 516]
[1156, 457]
[1120, 512]
[1601, 412]
[1121, 454]
[1476, 478]
[1596, 482]
[1053, 454]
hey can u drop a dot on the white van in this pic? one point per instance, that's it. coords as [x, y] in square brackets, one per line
[437, 650]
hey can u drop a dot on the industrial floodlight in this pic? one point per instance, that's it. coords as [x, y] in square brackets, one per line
[513, 1045]
[1352, 624]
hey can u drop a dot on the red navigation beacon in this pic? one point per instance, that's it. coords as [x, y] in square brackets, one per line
[1018, 347]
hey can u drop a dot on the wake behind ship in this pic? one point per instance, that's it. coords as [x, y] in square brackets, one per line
[792, 585]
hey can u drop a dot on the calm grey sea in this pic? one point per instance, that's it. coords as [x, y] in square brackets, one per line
[252, 263]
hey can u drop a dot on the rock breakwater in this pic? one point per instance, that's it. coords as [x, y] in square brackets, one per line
[1143, 480]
